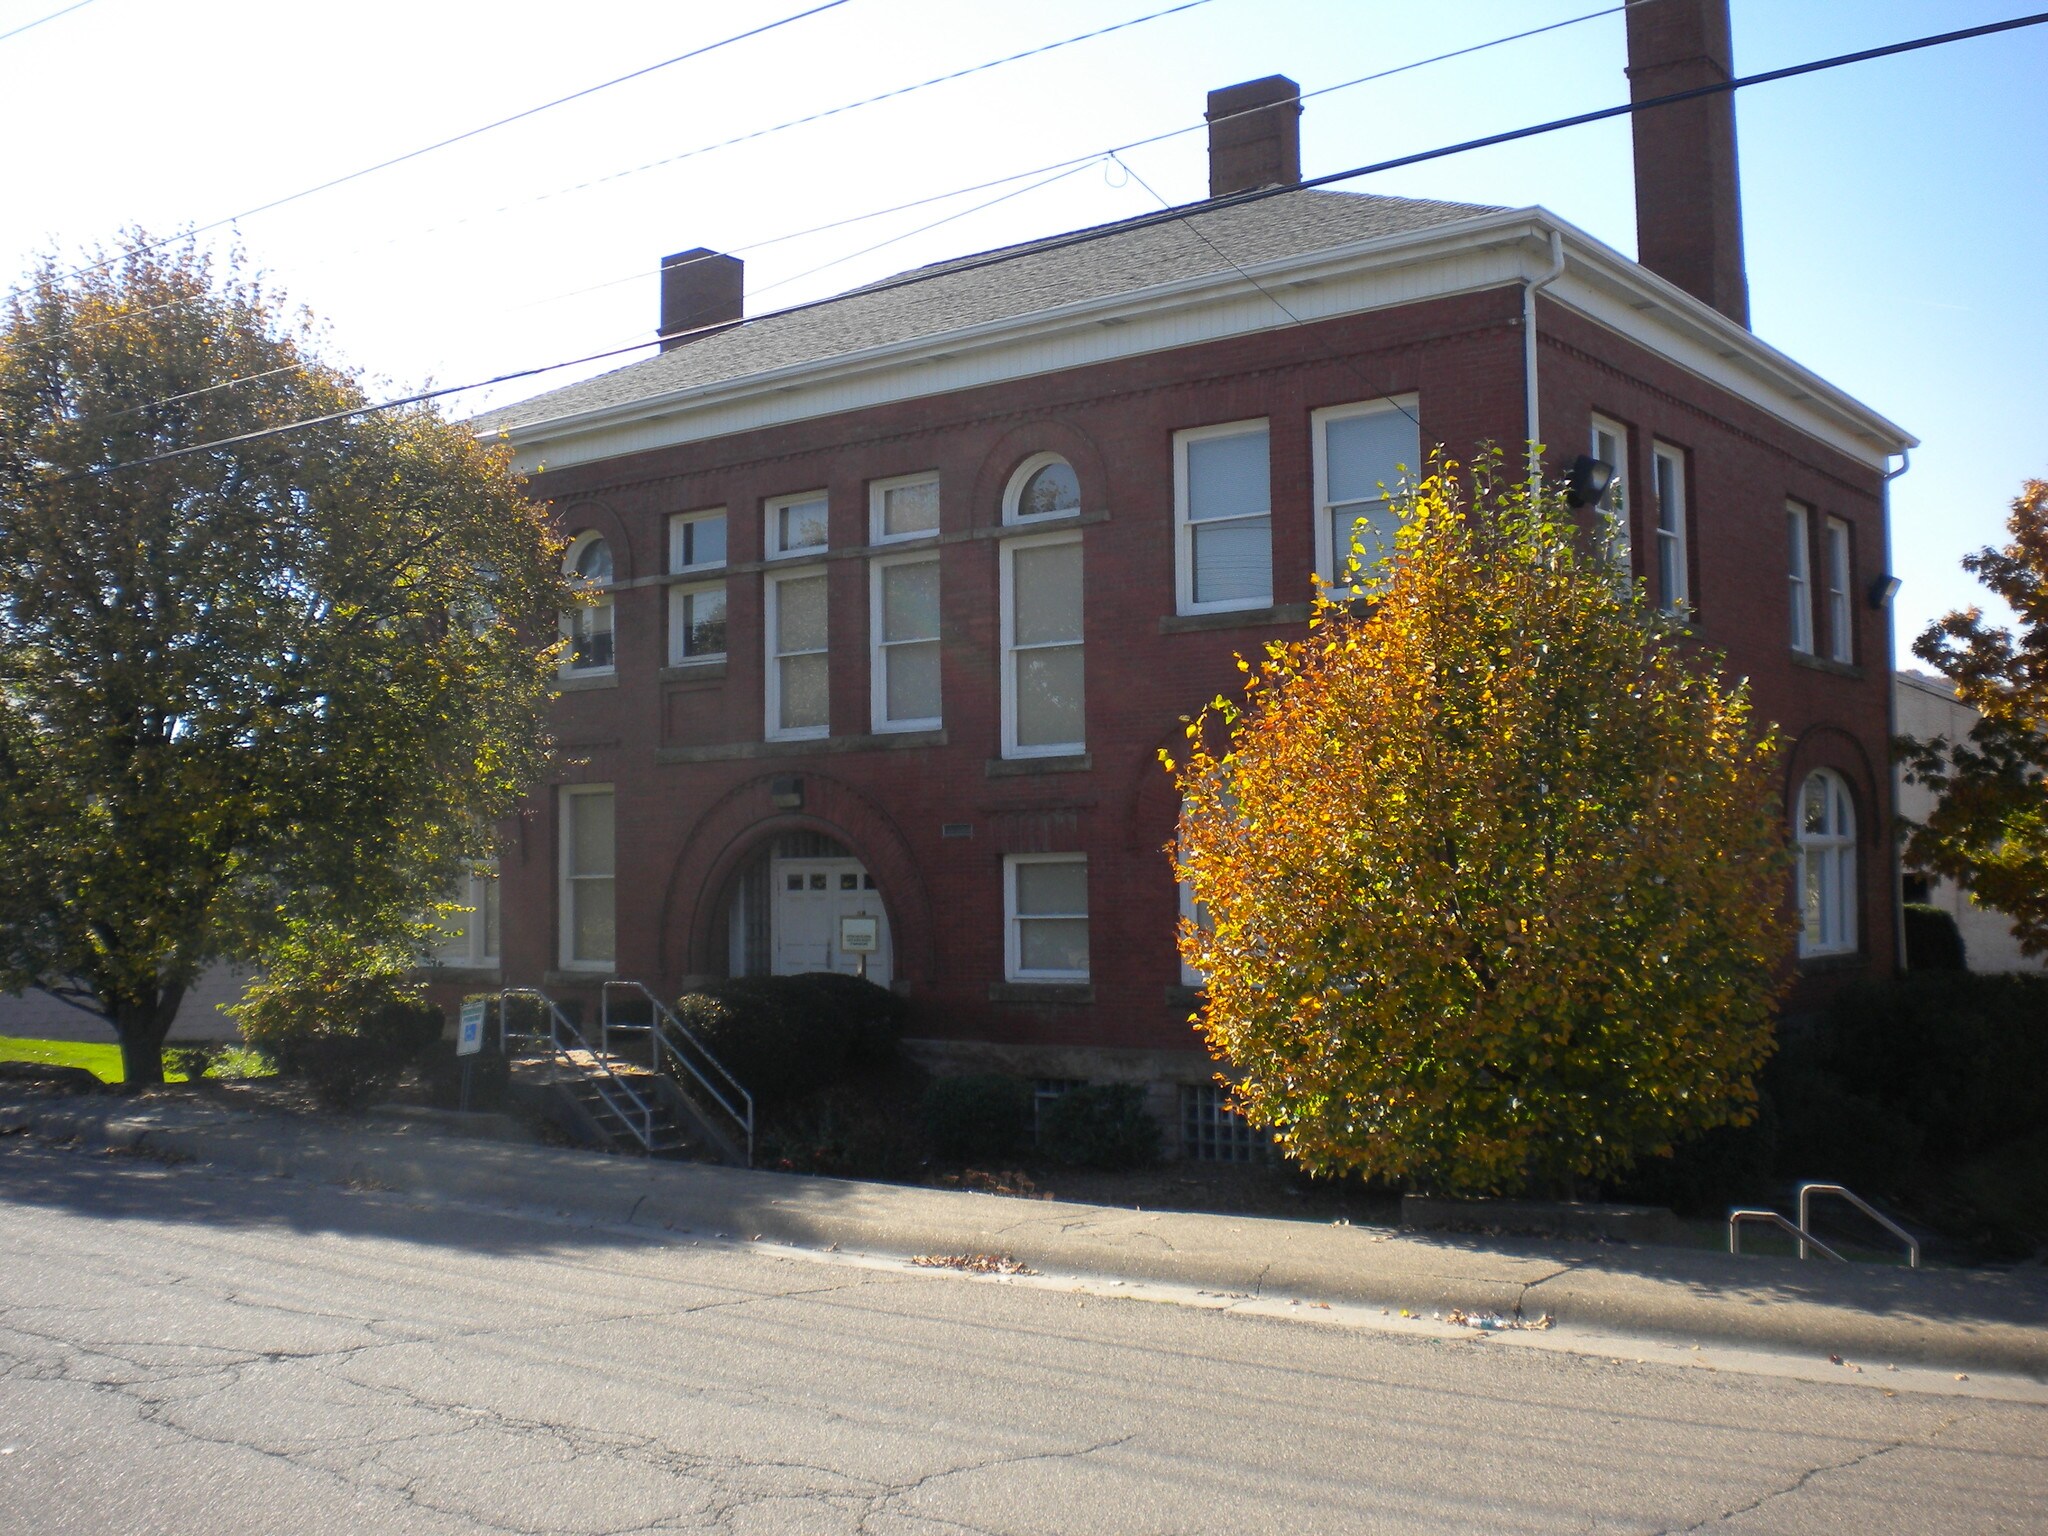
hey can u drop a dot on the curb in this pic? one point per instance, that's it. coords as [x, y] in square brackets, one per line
[1956, 1319]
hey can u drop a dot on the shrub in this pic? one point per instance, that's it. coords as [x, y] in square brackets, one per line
[1933, 941]
[787, 1036]
[193, 1060]
[345, 1020]
[1102, 1125]
[847, 1131]
[982, 1117]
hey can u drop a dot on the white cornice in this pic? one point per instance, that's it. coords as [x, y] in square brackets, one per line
[1468, 256]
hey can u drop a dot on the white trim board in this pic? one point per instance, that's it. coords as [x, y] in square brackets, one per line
[1467, 256]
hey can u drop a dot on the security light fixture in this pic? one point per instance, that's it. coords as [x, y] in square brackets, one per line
[1882, 590]
[1588, 481]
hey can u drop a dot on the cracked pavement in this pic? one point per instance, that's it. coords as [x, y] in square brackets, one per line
[187, 1350]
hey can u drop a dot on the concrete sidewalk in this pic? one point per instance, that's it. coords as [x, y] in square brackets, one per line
[1962, 1319]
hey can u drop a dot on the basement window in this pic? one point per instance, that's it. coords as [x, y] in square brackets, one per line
[1211, 1131]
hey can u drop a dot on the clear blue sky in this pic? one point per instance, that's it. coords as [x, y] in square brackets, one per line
[1895, 212]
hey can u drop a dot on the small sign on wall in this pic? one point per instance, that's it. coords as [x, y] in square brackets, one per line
[860, 935]
[469, 1033]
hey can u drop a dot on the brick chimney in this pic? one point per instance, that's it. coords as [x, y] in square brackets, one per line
[699, 288]
[1688, 198]
[1254, 136]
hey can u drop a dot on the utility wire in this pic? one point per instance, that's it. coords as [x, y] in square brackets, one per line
[1088, 236]
[1053, 172]
[29, 26]
[467, 134]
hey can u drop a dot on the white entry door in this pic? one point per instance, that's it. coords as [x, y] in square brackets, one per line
[808, 897]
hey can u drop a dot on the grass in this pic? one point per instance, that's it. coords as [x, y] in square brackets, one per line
[104, 1061]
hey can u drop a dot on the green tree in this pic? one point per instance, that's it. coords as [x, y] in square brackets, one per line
[1492, 877]
[295, 676]
[1989, 827]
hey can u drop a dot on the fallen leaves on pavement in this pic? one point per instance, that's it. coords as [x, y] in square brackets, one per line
[973, 1263]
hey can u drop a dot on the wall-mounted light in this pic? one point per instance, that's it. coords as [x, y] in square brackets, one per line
[786, 792]
[1588, 482]
[1883, 590]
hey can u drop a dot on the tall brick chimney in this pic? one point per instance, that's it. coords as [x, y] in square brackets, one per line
[699, 288]
[1254, 136]
[1688, 197]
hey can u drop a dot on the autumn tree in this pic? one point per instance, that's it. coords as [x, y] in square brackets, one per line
[1989, 827]
[1492, 875]
[246, 677]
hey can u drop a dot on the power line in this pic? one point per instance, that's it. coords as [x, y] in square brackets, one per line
[1053, 172]
[1088, 236]
[815, 117]
[467, 134]
[29, 26]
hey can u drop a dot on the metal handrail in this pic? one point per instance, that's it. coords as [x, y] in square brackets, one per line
[1738, 1216]
[608, 1083]
[1806, 1227]
[742, 1113]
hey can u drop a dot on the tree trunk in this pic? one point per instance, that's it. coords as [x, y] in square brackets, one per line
[142, 1025]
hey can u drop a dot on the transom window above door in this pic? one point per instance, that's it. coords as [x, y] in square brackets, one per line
[796, 524]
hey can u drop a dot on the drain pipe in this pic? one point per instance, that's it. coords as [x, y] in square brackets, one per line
[1891, 723]
[1551, 275]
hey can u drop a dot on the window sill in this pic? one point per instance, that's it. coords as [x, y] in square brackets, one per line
[1234, 618]
[1824, 664]
[710, 670]
[809, 746]
[585, 682]
[1018, 767]
[1063, 992]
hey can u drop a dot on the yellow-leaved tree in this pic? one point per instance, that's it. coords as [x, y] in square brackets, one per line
[1490, 866]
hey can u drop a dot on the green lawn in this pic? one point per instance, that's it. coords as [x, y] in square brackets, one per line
[104, 1061]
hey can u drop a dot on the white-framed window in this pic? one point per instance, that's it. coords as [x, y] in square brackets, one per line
[795, 525]
[1667, 466]
[1824, 831]
[589, 934]
[1835, 552]
[1223, 516]
[1363, 453]
[903, 623]
[696, 623]
[798, 675]
[696, 541]
[906, 507]
[1044, 693]
[1798, 576]
[588, 626]
[1608, 442]
[471, 933]
[1191, 911]
[1045, 916]
[1043, 487]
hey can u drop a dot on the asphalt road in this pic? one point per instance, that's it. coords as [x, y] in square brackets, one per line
[191, 1352]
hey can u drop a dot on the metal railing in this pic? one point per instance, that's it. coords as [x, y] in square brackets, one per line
[562, 1036]
[1772, 1218]
[1808, 1191]
[673, 1049]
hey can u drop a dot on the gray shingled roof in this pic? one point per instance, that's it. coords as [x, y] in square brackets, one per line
[1025, 280]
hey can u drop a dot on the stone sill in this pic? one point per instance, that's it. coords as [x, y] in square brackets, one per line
[1823, 664]
[1017, 767]
[1235, 618]
[815, 746]
[695, 672]
[1041, 992]
[582, 683]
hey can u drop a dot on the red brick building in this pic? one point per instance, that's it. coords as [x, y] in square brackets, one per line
[906, 589]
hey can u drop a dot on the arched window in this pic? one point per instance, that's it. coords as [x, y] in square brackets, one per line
[1825, 831]
[1044, 486]
[589, 627]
